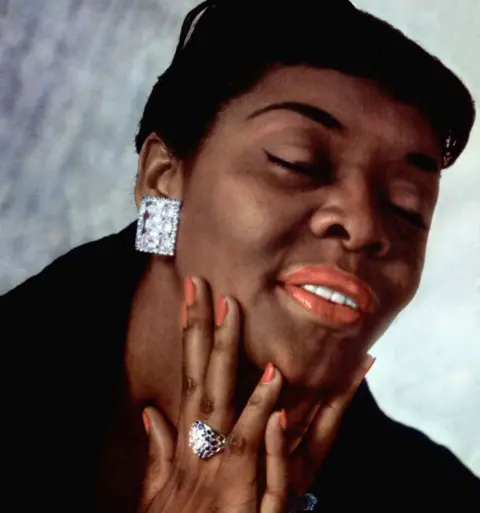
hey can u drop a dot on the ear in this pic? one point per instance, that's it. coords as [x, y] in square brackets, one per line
[159, 172]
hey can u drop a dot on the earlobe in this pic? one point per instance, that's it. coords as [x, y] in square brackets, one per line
[159, 171]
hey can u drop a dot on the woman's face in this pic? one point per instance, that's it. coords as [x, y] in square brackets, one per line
[311, 168]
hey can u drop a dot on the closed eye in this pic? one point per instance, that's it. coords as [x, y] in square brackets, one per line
[299, 167]
[410, 216]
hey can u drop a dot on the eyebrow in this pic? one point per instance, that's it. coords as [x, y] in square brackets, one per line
[309, 111]
[419, 160]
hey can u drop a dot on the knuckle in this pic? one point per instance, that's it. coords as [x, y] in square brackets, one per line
[279, 495]
[222, 345]
[187, 332]
[194, 324]
[199, 331]
[256, 401]
[236, 445]
[195, 332]
[189, 385]
[207, 406]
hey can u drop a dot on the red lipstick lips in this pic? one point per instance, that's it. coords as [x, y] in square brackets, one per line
[333, 278]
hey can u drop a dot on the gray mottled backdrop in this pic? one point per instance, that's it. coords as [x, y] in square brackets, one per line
[74, 77]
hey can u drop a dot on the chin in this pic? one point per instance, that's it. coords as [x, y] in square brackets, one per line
[309, 352]
[315, 360]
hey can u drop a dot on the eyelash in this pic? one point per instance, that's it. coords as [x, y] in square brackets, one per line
[305, 169]
[411, 217]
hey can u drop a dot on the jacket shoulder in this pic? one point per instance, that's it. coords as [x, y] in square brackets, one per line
[401, 468]
[422, 473]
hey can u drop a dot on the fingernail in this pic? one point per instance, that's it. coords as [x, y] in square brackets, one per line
[222, 310]
[184, 314]
[282, 419]
[368, 363]
[190, 291]
[146, 422]
[268, 375]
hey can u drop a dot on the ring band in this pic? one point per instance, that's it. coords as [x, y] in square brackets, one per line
[205, 441]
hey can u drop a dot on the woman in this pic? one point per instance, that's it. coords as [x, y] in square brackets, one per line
[289, 166]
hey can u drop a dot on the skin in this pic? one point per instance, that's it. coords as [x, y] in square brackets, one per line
[246, 219]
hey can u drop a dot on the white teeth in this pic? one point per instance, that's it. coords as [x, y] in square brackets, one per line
[338, 298]
[351, 302]
[319, 290]
[332, 295]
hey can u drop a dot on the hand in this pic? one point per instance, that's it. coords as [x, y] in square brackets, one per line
[177, 480]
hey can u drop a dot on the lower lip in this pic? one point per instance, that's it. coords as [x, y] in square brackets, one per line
[325, 310]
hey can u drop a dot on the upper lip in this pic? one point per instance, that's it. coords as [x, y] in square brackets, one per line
[334, 278]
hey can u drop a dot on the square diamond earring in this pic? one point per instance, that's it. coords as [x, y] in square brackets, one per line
[157, 225]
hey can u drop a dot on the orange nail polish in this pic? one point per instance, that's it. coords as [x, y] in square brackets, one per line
[268, 375]
[190, 291]
[184, 314]
[146, 422]
[283, 419]
[222, 310]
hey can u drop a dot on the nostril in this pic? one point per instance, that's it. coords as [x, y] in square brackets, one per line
[337, 231]
[376, 248]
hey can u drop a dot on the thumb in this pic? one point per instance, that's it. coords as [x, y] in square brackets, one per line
[161, 451]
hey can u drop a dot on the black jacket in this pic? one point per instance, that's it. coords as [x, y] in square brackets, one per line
[62, 335]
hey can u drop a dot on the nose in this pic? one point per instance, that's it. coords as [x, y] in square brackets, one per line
[350, 214]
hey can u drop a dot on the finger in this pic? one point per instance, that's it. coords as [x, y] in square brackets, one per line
[275, 496]
[295, 436]
[330, 414]
[320, 437]
[197, 345]
[217, 402]
[161, 452]
[248, 433]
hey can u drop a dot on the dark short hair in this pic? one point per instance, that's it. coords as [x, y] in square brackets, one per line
[226, 46]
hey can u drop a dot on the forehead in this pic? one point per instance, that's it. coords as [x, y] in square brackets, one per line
[358, 103]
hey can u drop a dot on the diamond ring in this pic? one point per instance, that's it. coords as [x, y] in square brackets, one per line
[205, 441]
[307, 502]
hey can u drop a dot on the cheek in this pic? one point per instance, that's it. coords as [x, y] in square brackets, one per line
[403, 269]
[233, 215]
[236, 233]
[402, 277]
